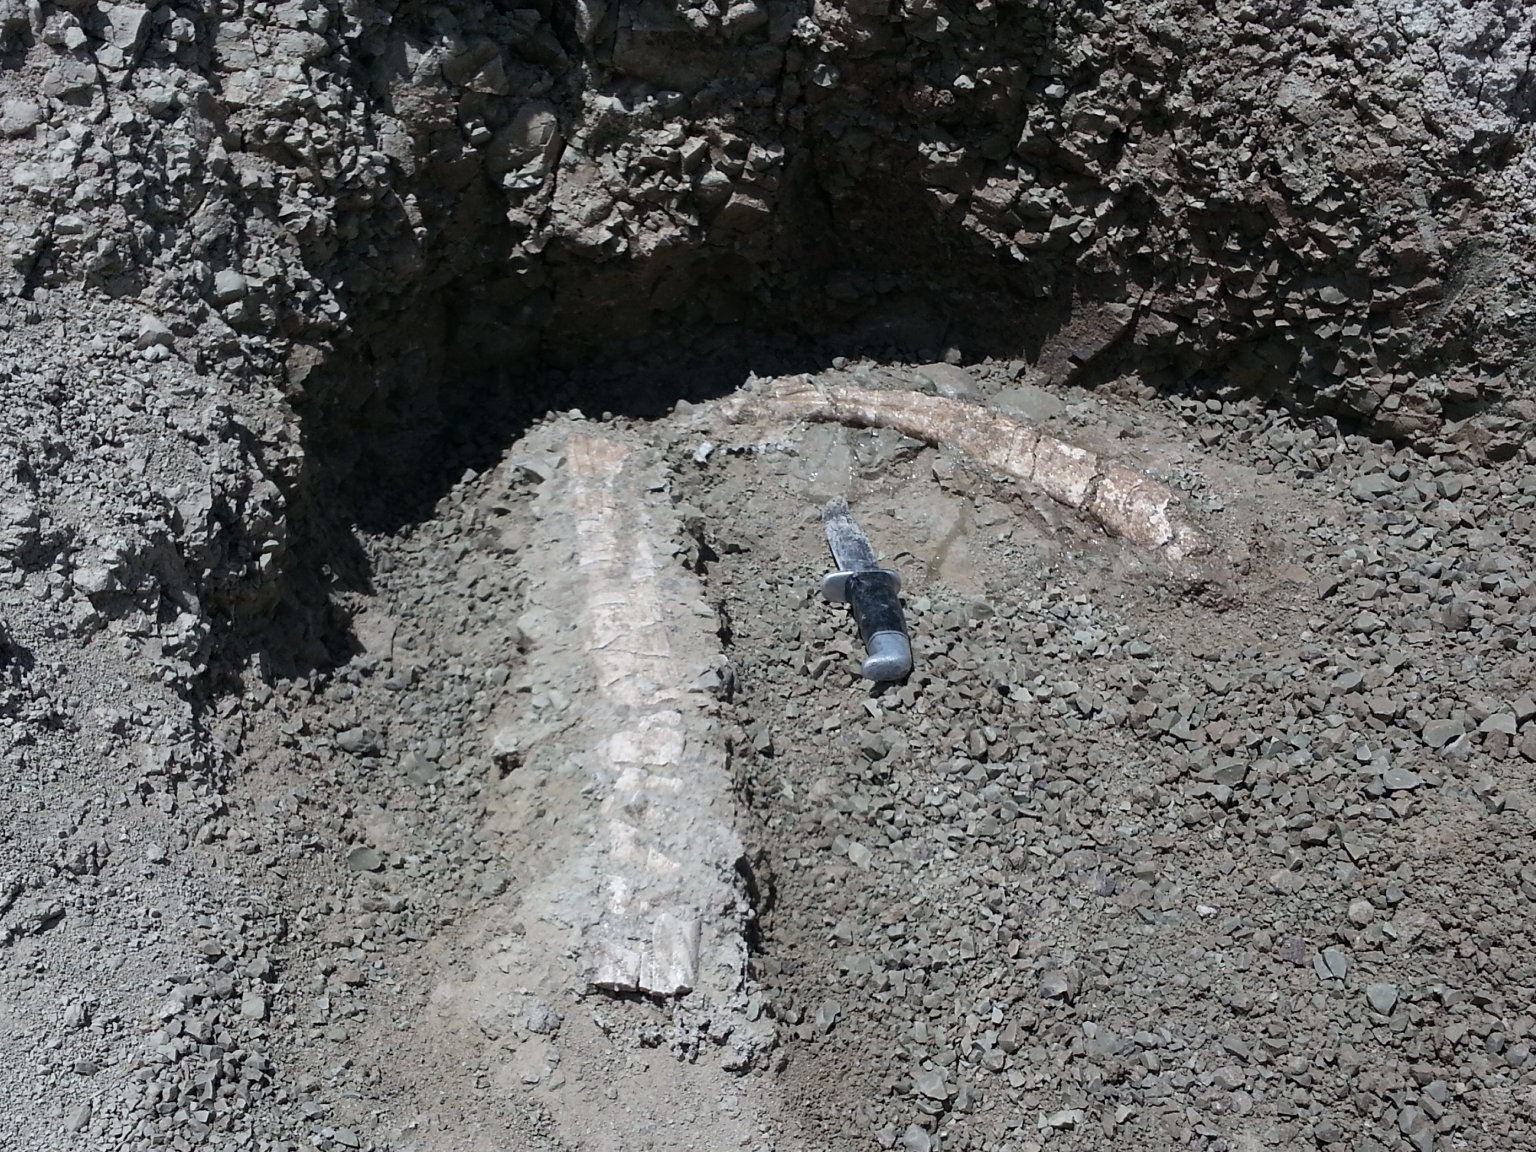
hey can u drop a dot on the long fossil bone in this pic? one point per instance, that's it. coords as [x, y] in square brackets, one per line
[1123, 501]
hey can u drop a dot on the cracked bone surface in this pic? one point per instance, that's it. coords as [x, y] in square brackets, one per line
[653, 891]
[1124, 502]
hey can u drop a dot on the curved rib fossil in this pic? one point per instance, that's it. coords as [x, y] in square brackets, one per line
[1124, 502]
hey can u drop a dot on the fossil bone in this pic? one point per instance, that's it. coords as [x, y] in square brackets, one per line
[1124, 502]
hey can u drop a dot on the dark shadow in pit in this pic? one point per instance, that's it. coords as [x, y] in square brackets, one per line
[868, 257]
[392, 425]
[15, 657]
[862, 246]
[397, 418]
[405, 448]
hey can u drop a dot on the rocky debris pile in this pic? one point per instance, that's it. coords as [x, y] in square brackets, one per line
[442, 790]
[1113, 864]
[133, 523]
[1104, 869]
[216, 224]
[1339, 220]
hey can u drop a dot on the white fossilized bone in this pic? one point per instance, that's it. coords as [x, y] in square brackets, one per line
[665, 846]
[1124, 502]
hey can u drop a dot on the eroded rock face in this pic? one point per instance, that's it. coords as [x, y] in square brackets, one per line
[349, 209]
[1321, 203]
[1281, 201]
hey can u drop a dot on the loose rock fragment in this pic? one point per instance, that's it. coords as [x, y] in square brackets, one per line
[365, 859]
[153, 332]
[949, 381]
[1361, 912]
[1331, 964]
[18, 117]
[827, 1014]
[1057, 985]
[542, 1019]
[930, 1083]
[228, 286]
[1382, 997]
[358, 741]
[79, 1117]
[1439, 733]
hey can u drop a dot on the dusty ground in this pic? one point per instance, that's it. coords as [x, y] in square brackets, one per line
[1247, 864]
[312, 767]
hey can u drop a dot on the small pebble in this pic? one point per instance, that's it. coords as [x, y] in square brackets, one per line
[930, 1083]
[1383, 997]
[365, 859]
[1331, 964]
[78, 1117]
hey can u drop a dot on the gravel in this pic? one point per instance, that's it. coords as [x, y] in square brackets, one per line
[287, 285]
[1104, 833]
